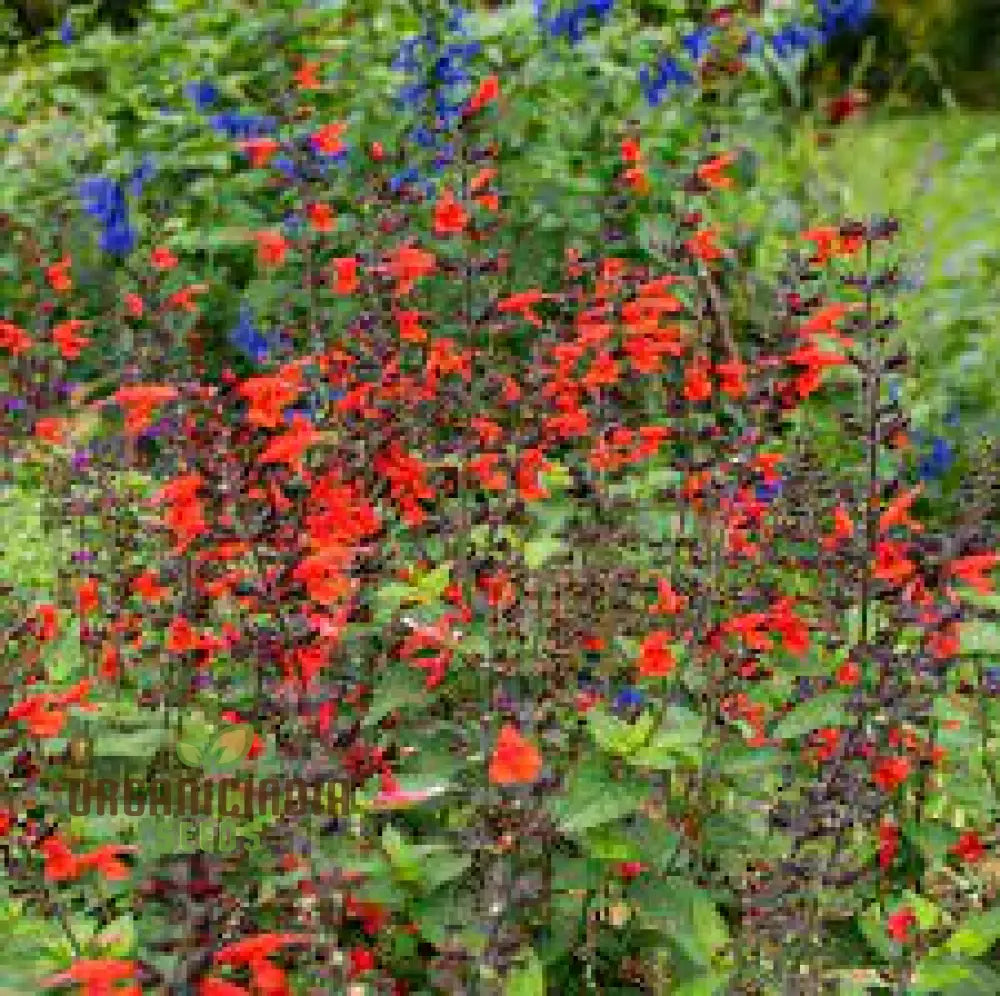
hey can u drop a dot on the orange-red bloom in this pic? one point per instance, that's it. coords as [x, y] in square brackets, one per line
[656, 658]
[67, 338]
[515, 760]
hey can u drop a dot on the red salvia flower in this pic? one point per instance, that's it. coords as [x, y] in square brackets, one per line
[57, 275]
[515, 761]
[969, 848]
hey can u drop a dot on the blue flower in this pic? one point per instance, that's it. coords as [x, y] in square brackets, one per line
[401, 179]
[66, 31]
[669, 73]
[991, 680]
[697, 43]
[629, 698]
[242, 126]
[247, 338]
[202, 94]
[569, 22]
[143, 172]
[768, 492]
[793, 38]
[937, 463]
[118, 237]
[842, 15]
[753, 45]
[104, 199]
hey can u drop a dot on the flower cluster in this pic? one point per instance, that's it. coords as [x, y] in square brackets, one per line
[834, 19]
[569, 22]
[105, 200]
[438, 88]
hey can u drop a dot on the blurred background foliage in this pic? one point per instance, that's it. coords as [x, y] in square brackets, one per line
[922, 46]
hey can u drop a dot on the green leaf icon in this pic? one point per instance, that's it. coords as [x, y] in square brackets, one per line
[189, 753]
[230, 746]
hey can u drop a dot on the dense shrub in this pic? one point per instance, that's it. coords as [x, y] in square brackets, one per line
[589, 560]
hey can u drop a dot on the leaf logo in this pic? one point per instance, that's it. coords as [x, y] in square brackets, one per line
[229, 748]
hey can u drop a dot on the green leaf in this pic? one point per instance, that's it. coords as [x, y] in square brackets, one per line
[438, 868]
[617, 736]
[399, 688]
[954, 977]
[66, 658]
[594, 797]
[678, 737]
[976, 935]
[705, 985]
[537, 551]
[432, 585]
[827, 709]
[528, 979]
[403, 857]
[685, 914]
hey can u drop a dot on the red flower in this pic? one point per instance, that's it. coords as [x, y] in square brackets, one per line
[630, 869]
[890, 772]
[345, 272]
[522, 303]
[697, 386]
[212, 986]
[362, 960]
[105, 860]
[899, 924]
[668, 601]
[259, 150]
[328, 139]
[87, 596]
[134, 305]
[972, 569]
[702, 245]
[272, 247]
[57, 276]
[321, 217]
[656, 659]
[711, 175]
[14, 338]
[67, 339]
[969, 848]
[848, 674]
[182, 299]
[60, 862]
[148, 588]
[162, 258]
[97, 976]
[139, 400]
[897, 514]
[305, 76]
[407, 264]
[515, 761]
[251, 949]
[888, 844]
[52, 430]
[450, 218]
[488, 91]
[48, 618]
